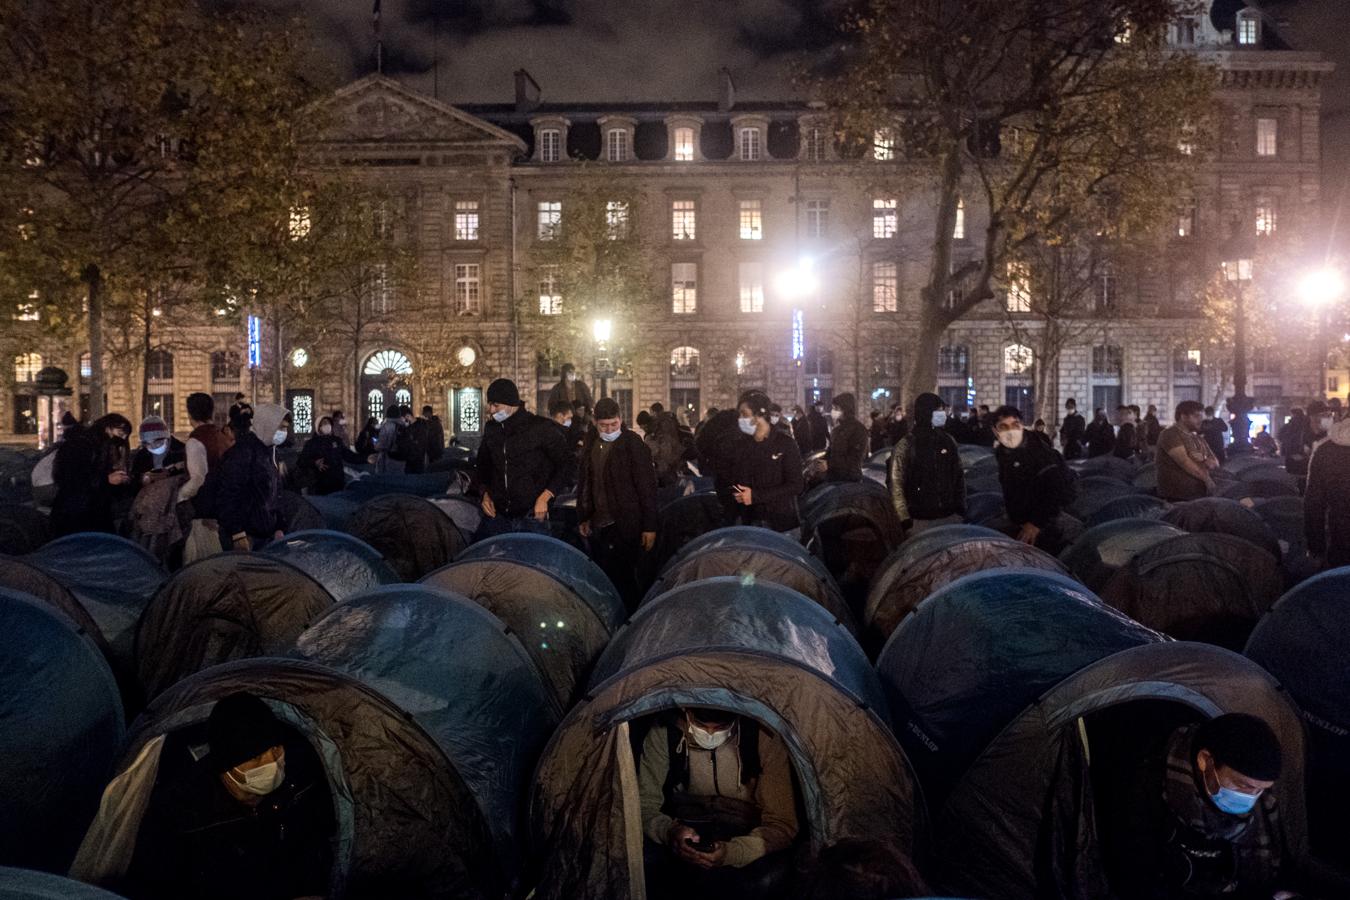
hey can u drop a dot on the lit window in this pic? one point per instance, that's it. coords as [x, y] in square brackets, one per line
[466, 220]
[550, 145]
[752, 287]
[1106, 290]
[1018, 359]
[550, 292]
[684, 220]
[29, 310]
[750, 150]
[817, 218]
[375, 403]
[616, 145]
[1019, 288]
[468, 289]
[684, 287]
[1186, 218]
[884, 282]
[299, 357]
[1248, 29]
[1267, 137]
[684, 144]
[616, 219]
[883, 145]
[815, 144]
[27, 366]
[550, 219]
[1265, 217]
[300, 223]
[684, 364]
[381, 297]
[885, 217]
[959, 229]
[386, 363]
[752, 220]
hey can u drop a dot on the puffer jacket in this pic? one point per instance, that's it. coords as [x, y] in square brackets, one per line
[925, 475]
[1326, 504]
[520, 459]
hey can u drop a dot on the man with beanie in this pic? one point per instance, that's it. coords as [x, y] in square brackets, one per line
[251, 818]
[522, 464]
[848, 441]
[244, 492]
[160, 453]
[1197, 817]
[928, 486]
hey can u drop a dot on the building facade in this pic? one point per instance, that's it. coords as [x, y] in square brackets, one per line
[774, 262]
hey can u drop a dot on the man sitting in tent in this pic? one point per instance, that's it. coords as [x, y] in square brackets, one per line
[718, 807]
[1198, 819]
[252, 818]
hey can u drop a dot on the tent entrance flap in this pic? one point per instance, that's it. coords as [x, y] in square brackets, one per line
[632, 815]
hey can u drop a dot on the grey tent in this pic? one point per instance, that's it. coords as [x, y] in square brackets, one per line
[1021, 823]
[852, 527]
[299, 513]
[1095, 491]
[976, 653]
[1239, 463]
[971, 454]
[755, 554]
[341, 563]
[464, 511]
[463, 677]
[407, 825]
[61, 724]
[1223, 516]
[336, 509]
[905, 581]
[425, 484]
[1112, 467]
[682, 520]
[561, 559]
[1284, 517]
[25, 884]
[984, 505]
[1198, 587]
[1103, 549]
[1127, 506]
[410, 532]
[22, 529]
[225, 607]
[760, 650]
[1146, 478]
[1304, 641]
[563, 627]
[1257, 488]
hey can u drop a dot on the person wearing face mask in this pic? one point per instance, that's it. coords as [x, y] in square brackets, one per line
[767, 468]
[928, 486]
[160, 453]
[1036, 483]
[1197, 817]
[819, 427]
[252, 818]
[718, 807]
[243, 493]
[522, 464]
[801, 429]
[322, 458]
[1072, 431]
[898, 425]
[560, 414]
[571, 389]
[779, 421]
[1100, 436]
[616, 499]
[90, 474]
[1312, 430]
[1326, 501]
[848, 441]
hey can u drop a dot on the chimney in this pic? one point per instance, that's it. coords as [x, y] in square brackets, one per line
[726, 97]
[527, 92]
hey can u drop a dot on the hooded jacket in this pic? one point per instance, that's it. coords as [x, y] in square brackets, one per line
[848, 443]
[1327, 500]
[244, 491]
[925, 474]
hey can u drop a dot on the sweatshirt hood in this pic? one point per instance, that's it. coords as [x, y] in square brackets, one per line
[1340, 433]
[924, 407]
[267, 418]
[847, 404]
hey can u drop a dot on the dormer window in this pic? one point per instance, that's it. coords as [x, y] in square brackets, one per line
[1184, 31]
[750, 144]
[1248, 28]
[816, 138]
[883, 145]
[550, 145]
[684, 144]
[616, 145]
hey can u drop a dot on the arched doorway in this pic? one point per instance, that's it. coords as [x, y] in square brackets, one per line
[386, 381]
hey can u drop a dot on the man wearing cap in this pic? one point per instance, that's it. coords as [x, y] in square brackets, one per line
[522, 464]
[160, 453]
[1197, 818]
[251, 818]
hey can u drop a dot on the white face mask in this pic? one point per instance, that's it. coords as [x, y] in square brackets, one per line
[279, 437]
[787, 418]
[571, 377]
[567, 423]
[708, 740]
[164, 448]
[1325, 423]
[747, 425]
[1012, 438]
[939, 418]
[260, 781]
[774, 420]
[325, 429]
[610, 436]
[836, 414]
[501, 415]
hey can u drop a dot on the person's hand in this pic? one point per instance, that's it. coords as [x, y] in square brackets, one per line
[714, 858]
[321, 465]
[648, 540]
[681, 839]
[278, 535]
[584, 528]
[240, 543]
[541, 506]
[118, 477]
[1028, 534]
[1210, 486]
[489, 508]
[744, 495]
[373, 458]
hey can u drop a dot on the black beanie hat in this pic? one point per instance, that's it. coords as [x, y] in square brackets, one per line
[504, 391]
[1243, 743]
[241, 727]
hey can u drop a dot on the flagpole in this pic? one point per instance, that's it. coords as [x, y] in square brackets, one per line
[379, 42]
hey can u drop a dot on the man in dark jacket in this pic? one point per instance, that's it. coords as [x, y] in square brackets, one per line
[1101, 437]
[928, 487]
[244, 492]
[1127, 435]
[160, 453]
[1212, 430]
[425, 442]
[616, 499]
[819, 426]
[1072, 430]
[90, 473]
[767, 468]
[848, 441]
[522, 464]
[561, 415]
[719, 444]
[1152, 427]
[801, 430]
[1298, 438]
[571, 389]
[1327, 500]
[1037, 485]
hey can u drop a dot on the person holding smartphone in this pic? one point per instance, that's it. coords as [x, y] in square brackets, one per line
[160, 453]
[90, 473]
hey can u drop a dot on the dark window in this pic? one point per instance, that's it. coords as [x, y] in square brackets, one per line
[225, 365]
[159, 366]
[821, 362]
[25, 414]
[1024, 398]
[160, 405]
[954, 361]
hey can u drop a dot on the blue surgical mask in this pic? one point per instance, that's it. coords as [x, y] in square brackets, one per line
[1235, 803]
[160, 450]
[610, 436]
[747, 425]
[500, 415]
[939, 418]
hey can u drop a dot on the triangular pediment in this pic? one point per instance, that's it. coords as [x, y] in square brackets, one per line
[377, 109]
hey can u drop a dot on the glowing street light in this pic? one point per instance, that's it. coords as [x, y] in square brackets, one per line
[1322, 287]
[601, 329]
[798, 282]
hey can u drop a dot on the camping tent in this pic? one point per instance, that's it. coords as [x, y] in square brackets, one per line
[299, 513]
[424, 484]
[975, 654]
[336, 509]
[755, 554]
[61, 724]
[852, 527]
[1107, 466]
[1095, 491]
[1304, 641]
[1223, 516]
[760, 650]
[680, 521]
[1198, 587]
[463, 677]
[25, 884]
[563, 627]
[1284, 517]
[563, 560]
[1105, 548]
[22, 529]
[464, 511]
[1020, 822]
[407, 824]
[1127, 506]
[342, 564]
[1146, 478]
[984, 505]
[225, 607]
[905, 581]
[410, 532]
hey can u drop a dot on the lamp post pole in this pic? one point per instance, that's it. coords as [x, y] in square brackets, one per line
[1240, 405]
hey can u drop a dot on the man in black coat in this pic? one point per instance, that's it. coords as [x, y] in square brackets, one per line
[1101, 437]
[1072, 431]
[1327, 500]
[571, 389]
[928, 486]
[616, 499]
[848, 441]
[1127, 437]
[522, 464]
[1037, 485]
[719, 443]
[820, 427]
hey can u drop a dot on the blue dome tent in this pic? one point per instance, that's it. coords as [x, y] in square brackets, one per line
[558, 558]
[759, 650]
[983, 506]
[25, 884]
[1223, 516]
[467, 682]
[342, 564]
[1095, 491]
[22, 529]
[61, 725]
[680, 521]
[1127, 506]
[852, 527]
[1104, 549]
[410, 532]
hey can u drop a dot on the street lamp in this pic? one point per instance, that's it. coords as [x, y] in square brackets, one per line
[1320, 290]
[601, 329]
[1238, 270]
[796, 285]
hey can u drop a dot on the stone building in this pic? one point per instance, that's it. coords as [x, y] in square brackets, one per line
[776, 263]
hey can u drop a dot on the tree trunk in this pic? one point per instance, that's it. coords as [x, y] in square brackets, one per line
[145, 359]
[933, 317]
[93, 279]
[1047, 372]
[276, 363]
